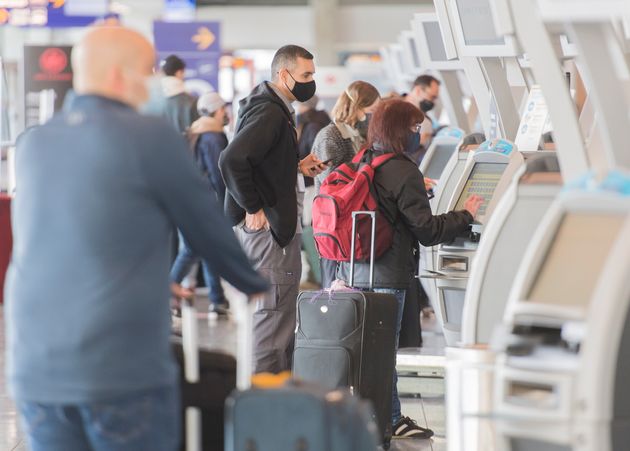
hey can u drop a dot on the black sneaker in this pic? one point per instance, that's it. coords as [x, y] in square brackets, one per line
[218, 310]
[408, 428]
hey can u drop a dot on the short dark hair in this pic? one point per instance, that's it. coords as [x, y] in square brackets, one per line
[425, 81]
[286, 57]
[173, 64]
[391, 122]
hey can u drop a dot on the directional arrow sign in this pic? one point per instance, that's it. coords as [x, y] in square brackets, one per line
[204, 38]
[198, 44]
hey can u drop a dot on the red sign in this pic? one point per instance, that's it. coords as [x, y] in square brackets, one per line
[53, 62]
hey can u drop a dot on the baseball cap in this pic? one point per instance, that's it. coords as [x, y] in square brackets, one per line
[209, 102]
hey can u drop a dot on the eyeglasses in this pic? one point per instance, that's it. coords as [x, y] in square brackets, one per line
[416, 128]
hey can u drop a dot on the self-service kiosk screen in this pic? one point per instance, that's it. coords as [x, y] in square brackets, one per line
[483, 180]
[575, 259]
[477, 23]
[438, 162]
[433, 37]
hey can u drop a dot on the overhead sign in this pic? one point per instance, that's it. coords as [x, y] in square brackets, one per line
[47, 70]
[53, 13]
[198, 44]
[179, 10]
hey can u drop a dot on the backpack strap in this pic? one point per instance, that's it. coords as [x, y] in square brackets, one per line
[376, 161]
[382, 159]
[359, 156]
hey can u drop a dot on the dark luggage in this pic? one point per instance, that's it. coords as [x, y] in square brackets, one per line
[5, 239]
[348, 339]
[294, 417]
[208, 377]
[217, 379]
[298, 417]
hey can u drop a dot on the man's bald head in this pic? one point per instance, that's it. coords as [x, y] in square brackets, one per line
[113, 62]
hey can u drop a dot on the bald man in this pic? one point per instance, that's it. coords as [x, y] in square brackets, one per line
[101, 189]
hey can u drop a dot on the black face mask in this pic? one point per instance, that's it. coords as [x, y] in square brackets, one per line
[226, 120]
[426, 105]
[302, 91]
[413, 142]
[362, 126]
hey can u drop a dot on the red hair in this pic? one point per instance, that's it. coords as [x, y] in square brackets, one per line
[391, 123]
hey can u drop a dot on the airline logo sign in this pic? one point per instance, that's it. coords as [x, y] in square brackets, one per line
[198, 44]
[45, 68]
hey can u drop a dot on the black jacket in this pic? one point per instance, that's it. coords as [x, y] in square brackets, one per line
[260, 165]
[181, 111]
[309, 124]
[403, 199]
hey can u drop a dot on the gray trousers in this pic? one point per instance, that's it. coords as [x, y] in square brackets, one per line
[274, 318]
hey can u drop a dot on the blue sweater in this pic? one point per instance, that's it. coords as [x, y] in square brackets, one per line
[100, 191]
[207, 151]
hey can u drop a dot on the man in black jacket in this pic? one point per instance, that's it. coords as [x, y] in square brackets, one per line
[260, 168]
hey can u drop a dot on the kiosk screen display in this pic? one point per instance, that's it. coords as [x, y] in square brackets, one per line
[434, 41]
[575, 259]
[441, 155]
[414, 53]
[483, 180]
[475, 17]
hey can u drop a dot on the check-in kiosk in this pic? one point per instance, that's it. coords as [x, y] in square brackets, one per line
[440, 151]
[455, 92]
[488, 58]
[443, 191]
[505, 240]
[562, 373]
[484, 170]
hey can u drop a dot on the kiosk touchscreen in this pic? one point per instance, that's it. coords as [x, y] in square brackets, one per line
[447, 184]
[475, 30]
[440, 152]
[505, 240]
[482, 181]
[484, 171]
[565, 279]
[563, 363]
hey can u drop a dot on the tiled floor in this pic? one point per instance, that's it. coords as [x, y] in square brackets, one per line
[222, 335]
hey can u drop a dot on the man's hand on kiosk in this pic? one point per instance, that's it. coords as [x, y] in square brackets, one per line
[257, 221]
[311, 166]
[473, 204]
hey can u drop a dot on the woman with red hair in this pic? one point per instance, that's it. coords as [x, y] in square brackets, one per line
[403, 200]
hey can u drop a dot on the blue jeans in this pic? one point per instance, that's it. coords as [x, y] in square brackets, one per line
[186, 258]
[400, 297]
[145, 421]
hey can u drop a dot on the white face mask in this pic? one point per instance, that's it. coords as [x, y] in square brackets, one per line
[156, 98]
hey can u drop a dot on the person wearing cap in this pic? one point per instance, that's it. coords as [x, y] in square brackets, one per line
[179, 106]
[207, 142]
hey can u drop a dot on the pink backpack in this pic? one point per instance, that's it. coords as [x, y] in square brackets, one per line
[350, 188]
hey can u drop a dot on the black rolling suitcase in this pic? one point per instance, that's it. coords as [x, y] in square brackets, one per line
[208, 378]
[347, 338]
[295, 417]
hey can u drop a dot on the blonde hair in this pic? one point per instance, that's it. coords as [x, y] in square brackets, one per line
[357, 95]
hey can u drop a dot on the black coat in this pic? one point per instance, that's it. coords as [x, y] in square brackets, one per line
[402, 198]
[260, 165]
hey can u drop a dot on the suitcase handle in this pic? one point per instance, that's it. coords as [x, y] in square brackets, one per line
[355, 214]
[190, 343]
